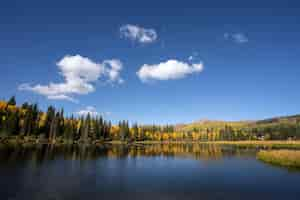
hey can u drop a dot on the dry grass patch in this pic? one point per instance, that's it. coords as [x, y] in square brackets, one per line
[287, 158]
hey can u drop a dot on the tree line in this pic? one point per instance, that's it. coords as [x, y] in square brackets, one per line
[28, 122]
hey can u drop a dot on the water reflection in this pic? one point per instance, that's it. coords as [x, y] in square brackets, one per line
[156, 171]
[40, 153]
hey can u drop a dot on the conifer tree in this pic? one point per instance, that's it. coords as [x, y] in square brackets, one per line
[13, 123]
[12, 101]
[49, 120]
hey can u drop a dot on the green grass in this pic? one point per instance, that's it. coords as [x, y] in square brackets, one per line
[286, 158]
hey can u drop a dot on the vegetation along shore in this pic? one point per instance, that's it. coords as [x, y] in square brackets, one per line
[286, 158]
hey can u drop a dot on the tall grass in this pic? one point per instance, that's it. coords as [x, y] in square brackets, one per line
[287, 158]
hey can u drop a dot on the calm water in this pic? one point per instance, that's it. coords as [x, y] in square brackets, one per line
[189, 171]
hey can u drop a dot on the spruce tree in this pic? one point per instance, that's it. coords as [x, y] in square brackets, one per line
[12, 101]
[49, 118]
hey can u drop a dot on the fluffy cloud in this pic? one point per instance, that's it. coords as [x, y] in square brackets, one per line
[113, 69]
[79, 75]
[139, 34]
[88, 110]
[236, 37]
[171, 69]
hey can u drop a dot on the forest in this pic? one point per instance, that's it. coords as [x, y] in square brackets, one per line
[28, 123]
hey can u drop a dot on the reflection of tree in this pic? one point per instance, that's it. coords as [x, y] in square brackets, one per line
[36, 154]
[195, 151]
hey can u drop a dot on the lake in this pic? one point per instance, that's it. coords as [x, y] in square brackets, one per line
[153, 171]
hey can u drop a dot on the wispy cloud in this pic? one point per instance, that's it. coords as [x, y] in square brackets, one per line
[171, 69]
[62, 97]
[92, 111]
[79, 75]
[193, 56]
[138, 34]
[87, 110]
[239, 38]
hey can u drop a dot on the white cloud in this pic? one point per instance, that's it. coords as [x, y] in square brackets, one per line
[79, 75]
[236, 37]
[137, 33]
[92, 111]
[171, 69]
[88, 110]
[62, 97]
[113, 69]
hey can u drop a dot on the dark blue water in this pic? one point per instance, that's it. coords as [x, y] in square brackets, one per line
[189, 171]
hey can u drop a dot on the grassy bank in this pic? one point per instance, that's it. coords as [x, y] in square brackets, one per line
[286, 158]
[246, 143]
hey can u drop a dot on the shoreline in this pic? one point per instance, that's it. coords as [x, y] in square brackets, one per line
[246, 143]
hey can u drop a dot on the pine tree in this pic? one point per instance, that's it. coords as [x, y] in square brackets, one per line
[97, 130]
[13, 123]
[101, 128]
[12, 101]
[49, 119]
[35, 119]
[54, 127]
[61, 123]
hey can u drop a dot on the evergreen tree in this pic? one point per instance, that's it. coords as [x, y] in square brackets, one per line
[54, 127]
[12, 101]
[35, 119]
[49, 120]
[61, 123]
[97, 130]
[13, 123]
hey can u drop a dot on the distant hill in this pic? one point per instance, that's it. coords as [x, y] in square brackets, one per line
[290, 119]
[205, 123]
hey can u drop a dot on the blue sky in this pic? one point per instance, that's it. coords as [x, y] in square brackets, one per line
[228, 60]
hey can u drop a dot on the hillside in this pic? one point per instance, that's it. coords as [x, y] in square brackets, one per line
[218, 124]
